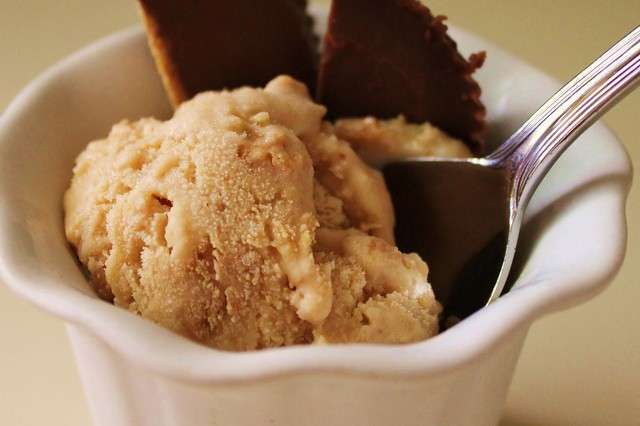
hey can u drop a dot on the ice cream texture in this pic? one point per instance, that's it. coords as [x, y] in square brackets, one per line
[247, 222]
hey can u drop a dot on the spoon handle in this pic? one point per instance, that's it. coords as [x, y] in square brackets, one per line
[530, 152]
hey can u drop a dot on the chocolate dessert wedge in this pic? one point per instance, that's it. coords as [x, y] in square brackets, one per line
[390, 57]
[219, 44]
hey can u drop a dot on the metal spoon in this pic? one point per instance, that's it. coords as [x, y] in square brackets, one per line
[464, 216]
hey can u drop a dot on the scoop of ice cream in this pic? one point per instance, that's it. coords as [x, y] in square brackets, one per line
[380, 141]
[244, 222]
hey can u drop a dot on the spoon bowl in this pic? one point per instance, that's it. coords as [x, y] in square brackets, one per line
[454, 213]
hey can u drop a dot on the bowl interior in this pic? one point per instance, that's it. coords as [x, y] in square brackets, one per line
[78, 100]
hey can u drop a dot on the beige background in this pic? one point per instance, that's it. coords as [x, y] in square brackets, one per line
[580, 367]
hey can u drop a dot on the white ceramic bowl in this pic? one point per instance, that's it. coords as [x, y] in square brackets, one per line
[136, 373]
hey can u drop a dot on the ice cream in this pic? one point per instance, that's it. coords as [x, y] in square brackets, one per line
[381, 141]
[246, 222]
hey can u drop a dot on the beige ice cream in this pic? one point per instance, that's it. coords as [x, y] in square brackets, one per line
[247, 222]
[381, 141]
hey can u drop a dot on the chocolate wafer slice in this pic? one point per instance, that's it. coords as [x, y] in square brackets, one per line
[391, 57]
[217, 44]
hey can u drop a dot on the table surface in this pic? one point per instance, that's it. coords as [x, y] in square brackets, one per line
[580, 366]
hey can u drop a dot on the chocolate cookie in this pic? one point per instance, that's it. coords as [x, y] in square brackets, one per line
[213, 45]
[391, 57]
